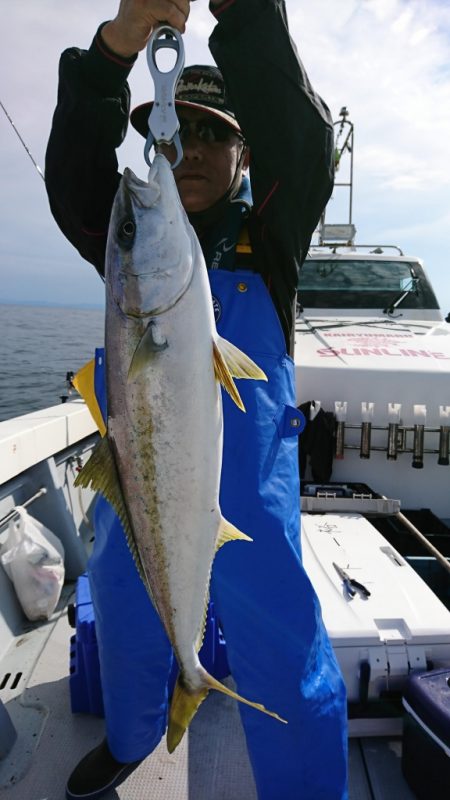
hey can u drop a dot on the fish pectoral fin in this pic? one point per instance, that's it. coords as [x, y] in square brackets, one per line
[229, 363]
[149, 344]
[182, 709]
[85, 385]
[229, 533]
[100, 474]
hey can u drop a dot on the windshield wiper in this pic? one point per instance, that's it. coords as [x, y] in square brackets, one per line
[413, 287]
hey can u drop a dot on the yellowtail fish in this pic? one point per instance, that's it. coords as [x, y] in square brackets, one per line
[160, 459]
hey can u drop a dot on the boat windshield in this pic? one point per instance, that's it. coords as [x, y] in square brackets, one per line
[363, 283]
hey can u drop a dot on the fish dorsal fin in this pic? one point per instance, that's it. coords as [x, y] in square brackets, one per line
[229, 533]
[229, 363]
[100, 474]
[149, 344]
[85, 385]
[201, 636]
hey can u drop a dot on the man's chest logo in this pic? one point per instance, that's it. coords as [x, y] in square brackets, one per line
[217, 308]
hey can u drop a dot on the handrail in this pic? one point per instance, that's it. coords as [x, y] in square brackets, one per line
[377, 249]
[13, 513]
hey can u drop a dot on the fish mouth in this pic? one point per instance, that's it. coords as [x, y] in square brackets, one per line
[145, 193]
[131, 179]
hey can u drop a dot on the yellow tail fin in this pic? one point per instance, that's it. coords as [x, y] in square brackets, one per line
[182, 709]
[185, 704]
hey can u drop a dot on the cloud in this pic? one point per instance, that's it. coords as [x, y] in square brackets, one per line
[395, 169]
[388, 61]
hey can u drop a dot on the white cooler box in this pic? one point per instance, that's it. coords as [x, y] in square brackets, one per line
[380, 639]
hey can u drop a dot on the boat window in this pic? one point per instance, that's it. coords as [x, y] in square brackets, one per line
[362, 283]
[371, 276]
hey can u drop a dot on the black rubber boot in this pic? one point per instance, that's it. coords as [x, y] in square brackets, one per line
[96, 773]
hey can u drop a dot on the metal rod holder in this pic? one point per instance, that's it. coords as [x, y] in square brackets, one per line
[392, 445]
[397, 441]
[444, 437]
[367, 410]
[418, 446]
[366, 433]
[340, 411]
[340, 440]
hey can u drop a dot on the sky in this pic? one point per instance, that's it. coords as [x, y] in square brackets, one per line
[387, 61]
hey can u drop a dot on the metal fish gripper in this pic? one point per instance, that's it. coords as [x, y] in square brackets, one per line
[163, 123]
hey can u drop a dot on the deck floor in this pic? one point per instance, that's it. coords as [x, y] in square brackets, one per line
[210, 764]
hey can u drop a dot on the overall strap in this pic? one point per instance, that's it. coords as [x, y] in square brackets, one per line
[220, 245]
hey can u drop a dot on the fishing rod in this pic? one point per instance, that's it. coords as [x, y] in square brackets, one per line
[22, 141]
[36, 165]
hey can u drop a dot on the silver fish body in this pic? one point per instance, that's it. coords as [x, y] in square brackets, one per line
[165, 421]
[160, 462]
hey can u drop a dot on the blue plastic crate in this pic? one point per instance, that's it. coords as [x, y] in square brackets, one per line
[85, 682]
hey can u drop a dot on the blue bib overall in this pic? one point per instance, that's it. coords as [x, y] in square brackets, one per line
[277, 647]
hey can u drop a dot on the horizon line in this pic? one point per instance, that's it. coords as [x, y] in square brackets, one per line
[52, 304]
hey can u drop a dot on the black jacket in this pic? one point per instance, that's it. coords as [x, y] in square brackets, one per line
[286, 125]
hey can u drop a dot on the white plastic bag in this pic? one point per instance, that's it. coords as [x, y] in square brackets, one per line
[33, 558]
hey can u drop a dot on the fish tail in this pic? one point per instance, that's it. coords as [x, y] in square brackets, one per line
[185, 704]
[215, 684]
[182, 709]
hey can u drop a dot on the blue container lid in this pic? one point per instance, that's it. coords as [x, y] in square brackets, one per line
[428, 695]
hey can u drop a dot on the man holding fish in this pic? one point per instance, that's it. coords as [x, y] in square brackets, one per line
[167, 349]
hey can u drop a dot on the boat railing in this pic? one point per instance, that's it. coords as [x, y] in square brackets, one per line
[13, 513]
[373, 249]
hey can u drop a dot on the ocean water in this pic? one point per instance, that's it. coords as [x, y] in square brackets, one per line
[38, 346]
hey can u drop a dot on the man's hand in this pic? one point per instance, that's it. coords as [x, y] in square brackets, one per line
[131, 29]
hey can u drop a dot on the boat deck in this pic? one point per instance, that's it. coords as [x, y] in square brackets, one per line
[211, 762]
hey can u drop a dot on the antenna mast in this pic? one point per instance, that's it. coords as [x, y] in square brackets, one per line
[344, 143]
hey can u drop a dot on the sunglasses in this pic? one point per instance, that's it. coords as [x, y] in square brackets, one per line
[208, 131]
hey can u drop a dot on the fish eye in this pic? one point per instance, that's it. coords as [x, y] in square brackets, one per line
[126, 231]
